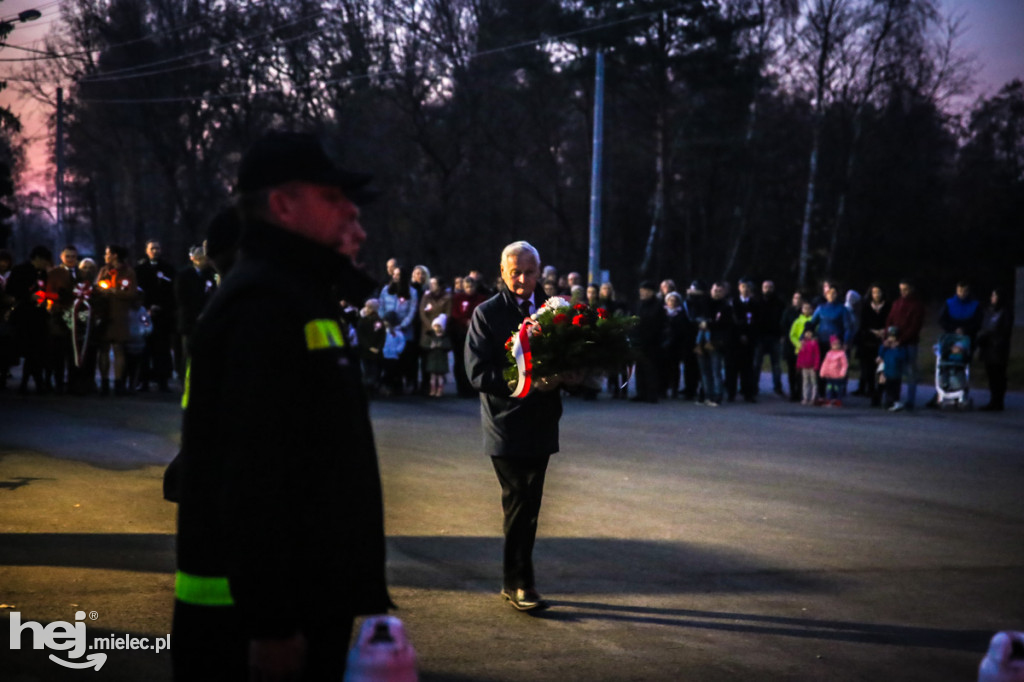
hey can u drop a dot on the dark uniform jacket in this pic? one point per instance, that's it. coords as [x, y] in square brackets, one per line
[746, 315]
[192, 289]
[28, 317]
[277, 480]
[649, 333]
[156, 279]
[513, 427]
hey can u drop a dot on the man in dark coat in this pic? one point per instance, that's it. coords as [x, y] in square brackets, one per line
[26, 285]
[769, 335]
[695, 307]
[155, 278]
[280, 519]
[740, 360]
[714, 337]
[520, 434]
[648, 336]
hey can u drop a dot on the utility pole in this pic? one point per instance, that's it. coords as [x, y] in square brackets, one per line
[60, 164]
[594, 268]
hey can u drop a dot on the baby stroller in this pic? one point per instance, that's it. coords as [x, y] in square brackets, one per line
[953, 371]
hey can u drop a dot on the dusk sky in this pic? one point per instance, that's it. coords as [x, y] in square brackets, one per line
[994, 32]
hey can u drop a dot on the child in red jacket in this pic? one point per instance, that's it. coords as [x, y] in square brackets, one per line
[807, 360]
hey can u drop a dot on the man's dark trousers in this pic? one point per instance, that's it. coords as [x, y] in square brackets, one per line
[522, 488]
[157, 364]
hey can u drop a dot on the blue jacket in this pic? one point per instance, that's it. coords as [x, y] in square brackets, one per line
[406, 308]
[893, 361]
[961, 314]
[394, 344]
[833, 319]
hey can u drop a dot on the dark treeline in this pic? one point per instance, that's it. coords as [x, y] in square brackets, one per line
[780, 138]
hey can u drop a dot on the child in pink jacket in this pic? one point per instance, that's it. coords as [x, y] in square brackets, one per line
[807, 360]
[833, 371]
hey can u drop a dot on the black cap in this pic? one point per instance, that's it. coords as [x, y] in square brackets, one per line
[280, 157]
[648, 284]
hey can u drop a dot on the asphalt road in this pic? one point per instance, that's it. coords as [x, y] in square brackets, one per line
[677, 542]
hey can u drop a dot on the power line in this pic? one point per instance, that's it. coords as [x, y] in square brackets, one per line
[136, 71]
[128, 70]
[146, 38]
[112, 77]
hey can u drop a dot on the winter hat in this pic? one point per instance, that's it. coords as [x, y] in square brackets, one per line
[283, 156]
[371, 305]
[440, 321]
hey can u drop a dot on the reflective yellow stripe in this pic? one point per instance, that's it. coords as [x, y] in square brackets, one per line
[202, 590]
[188, 384]
[322, 334]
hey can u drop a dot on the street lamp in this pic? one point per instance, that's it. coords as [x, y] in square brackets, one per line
[26, 15]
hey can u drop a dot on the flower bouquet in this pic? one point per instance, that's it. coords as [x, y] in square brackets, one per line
[561, 338]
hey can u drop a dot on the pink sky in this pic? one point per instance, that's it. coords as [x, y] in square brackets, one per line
[994, 32]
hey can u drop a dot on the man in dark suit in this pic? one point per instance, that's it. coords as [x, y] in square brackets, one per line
[648, 336]
[60, 290]
[520, 434]
[156, 279]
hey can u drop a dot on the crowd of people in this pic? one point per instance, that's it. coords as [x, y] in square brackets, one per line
[74, 321]
[703, 344]
[721, 342]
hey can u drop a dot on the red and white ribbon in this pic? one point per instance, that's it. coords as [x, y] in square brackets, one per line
[82, 293]
[524, 357]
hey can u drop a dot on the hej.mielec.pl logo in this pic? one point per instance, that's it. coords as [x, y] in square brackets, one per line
[71, 638]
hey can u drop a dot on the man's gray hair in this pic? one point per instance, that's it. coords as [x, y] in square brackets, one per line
[516, 248]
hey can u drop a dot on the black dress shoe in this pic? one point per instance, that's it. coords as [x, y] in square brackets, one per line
[524, 600]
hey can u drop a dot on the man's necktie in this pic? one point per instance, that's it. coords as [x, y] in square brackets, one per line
[525, 308]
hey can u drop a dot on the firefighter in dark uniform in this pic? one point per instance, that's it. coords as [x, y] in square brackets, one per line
[280, 518]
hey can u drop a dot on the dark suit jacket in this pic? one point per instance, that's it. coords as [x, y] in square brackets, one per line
[513, 427]
[157, 284]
